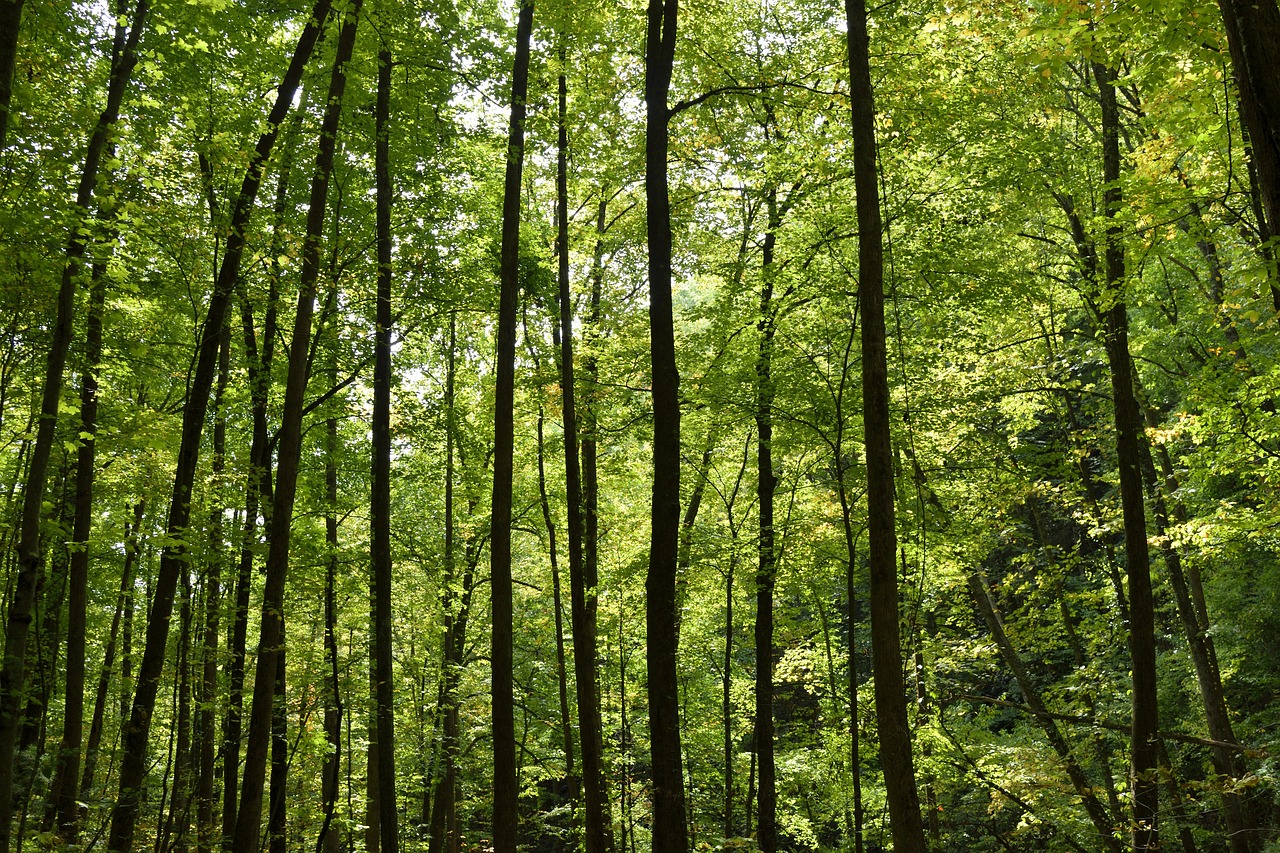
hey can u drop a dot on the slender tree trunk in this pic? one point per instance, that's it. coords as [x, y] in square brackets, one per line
[329, 841]
[23, 599]
[206, 718]
[505, 787]
[886, 648]
[109, 654]
[670, 829]
[562, 677]
[10, 24]
[278, 799]
[172, 561]
[179, 818]
[1128, 420]
[766, 483]
[63, 788]
[380, 499]
[582, 593]
[271, 636]
[1031, 695]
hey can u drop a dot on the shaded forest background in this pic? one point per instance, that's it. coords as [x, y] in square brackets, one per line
[440, 426]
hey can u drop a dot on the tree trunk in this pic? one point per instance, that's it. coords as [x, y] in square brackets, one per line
[1031, 695]
[63, 788]
[23, 598]
[670, 830]
[505, 786]
[1253, 37]
[271, 635]
[278, 800]
[172, 561]
[10, 24]
[1128, 420]
[108, 656]
[886, 649]
[206, 721]
[582, 591]
[329, 841]
[766, 483]
[380, 499]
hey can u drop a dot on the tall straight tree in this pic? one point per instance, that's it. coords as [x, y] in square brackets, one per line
[670, 831]
[380, 500]
[1110, 299]
[597, 837]
[505, 791]
[886, 645]
[766, 483]
[271, 632]
[124, 56]
[173, 560]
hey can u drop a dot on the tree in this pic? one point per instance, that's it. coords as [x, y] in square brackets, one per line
[886, 649]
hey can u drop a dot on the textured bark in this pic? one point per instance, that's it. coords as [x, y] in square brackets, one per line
[1128, 421]
[10, 25]
[886, 647]
[30, 562]
[766, 484]
[63, 789]
[597, 835]
[380, 499]
[670, 830]
[1253, 38]
[505, 786]
[271, 635]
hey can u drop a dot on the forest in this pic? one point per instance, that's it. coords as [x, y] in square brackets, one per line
[619, 426]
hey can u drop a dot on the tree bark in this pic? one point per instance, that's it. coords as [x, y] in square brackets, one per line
[1253, 38]
[886, 648]
[380, 500]
[766, 483]
[23, 599]
[670, 829]
[10, 25]
[1128, 421]
[66, 776]
[582, 592]
[505, 785]
[271, 635]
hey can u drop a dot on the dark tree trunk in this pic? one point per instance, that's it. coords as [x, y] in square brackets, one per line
[562, 676]
[380, 499]
[278, 800]
[63, 788]
[582, 594]
[271, 635]
[173, 560]
[766, 483]
[886, 648]
[329, 840]
[10, 24]
[1128, 420]
[23, 598]
[505, 786]
[1253, 37]
[670, 829]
